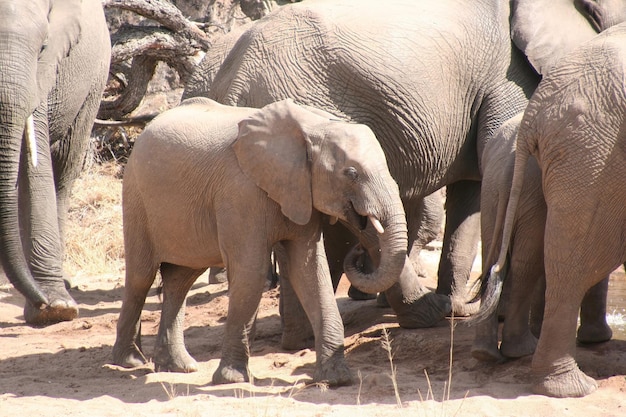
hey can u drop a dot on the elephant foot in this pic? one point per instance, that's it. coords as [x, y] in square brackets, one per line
[334, 373]
[62, 306]
[228, 374]
[359, 295]
[486, 352]
[569, 384]
[594, 334]
[183, 366]
[426, 311]
[518, 347]
[128, 358]
[177, 361]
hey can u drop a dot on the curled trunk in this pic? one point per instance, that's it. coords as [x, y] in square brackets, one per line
[389, 258]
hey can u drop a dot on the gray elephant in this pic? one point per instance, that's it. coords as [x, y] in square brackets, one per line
[525, 272]
[54, 57]
[574, 127]
[545, 31]
[198, 191]
[432, 94]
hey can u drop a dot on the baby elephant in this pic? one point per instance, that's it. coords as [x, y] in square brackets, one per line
[211, 185]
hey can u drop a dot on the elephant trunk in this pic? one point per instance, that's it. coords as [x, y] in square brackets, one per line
[17, 95]
[388, 251]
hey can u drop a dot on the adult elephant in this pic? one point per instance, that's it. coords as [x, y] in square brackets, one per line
[525, 279]
[574, 126]
[546, 31]
[434, 80]
[54, 57]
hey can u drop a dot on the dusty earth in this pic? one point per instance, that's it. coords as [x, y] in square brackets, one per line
[64, 370]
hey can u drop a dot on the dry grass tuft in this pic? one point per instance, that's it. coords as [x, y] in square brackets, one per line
[94, 242]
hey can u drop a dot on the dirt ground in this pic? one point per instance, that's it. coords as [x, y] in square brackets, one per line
[64, 369]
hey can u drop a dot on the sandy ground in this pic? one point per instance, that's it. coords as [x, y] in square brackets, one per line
[63, 369]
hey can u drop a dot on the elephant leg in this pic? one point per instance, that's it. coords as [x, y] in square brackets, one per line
[139, 278]
[428, 221]
[460, 243]
[170, 353]
[41, 237]
[69, 154]
[297, 330]
[485, 345]
[537, 306]
[247, 278]
[554, 368]
[524, 273]
[593, 326]
[337, 242]
[310, 279]
[570, 270]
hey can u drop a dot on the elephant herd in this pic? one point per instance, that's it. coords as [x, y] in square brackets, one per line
[322, 133]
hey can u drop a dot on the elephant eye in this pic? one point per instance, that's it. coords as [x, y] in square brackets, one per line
[351, 173]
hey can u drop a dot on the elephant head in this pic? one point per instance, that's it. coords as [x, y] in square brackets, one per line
[35, 36]
[305, 159]
[546, 30]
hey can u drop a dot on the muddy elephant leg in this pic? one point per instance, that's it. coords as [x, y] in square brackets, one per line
[460, 243]
[247, 278]
[170, 354]
[310, 279]
[41, 236]
[593, 326]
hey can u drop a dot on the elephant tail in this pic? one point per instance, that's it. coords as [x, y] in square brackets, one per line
[491, 281]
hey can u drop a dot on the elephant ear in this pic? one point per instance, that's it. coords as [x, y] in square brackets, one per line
[273, 150]
[546, 30]
[64, 29]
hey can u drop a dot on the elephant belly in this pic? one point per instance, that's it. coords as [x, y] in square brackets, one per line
[189, 242]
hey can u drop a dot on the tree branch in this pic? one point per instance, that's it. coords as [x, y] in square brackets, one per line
[166, 14]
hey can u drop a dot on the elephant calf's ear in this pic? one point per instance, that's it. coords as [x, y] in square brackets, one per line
[272, 151]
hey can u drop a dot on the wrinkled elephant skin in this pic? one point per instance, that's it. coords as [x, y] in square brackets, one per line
[54, 57]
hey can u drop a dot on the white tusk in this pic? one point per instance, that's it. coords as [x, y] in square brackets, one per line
[333, 220]
[31, 142]
[376, 223]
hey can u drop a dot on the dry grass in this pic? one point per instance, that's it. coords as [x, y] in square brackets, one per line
[94, 243]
